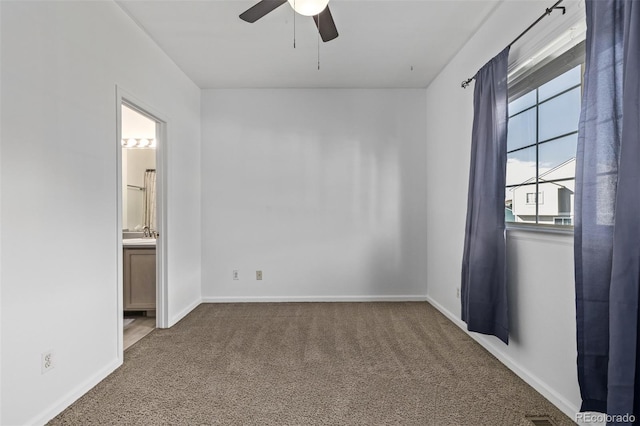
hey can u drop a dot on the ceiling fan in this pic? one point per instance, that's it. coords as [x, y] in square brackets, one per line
[319, 9]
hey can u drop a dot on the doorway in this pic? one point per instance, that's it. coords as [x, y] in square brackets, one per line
[141, 212]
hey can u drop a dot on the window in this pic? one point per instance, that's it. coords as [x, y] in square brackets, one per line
[544, 110]
[532, 199]
[562, 221]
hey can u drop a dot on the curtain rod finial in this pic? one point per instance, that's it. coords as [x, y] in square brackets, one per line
[466, 83]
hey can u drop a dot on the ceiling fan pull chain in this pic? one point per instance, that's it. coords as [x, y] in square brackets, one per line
[318, 42]
[294, 24]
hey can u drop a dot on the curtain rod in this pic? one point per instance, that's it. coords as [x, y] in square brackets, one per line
[547, 12]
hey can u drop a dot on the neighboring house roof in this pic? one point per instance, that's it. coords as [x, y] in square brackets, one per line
[545, 174]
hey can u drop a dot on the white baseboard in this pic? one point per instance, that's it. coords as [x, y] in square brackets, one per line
[61, 404]
[277, 299]
[183, 313]
[531, 379]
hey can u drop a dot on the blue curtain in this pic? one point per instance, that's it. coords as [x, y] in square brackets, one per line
[607, 211]
[484, 288]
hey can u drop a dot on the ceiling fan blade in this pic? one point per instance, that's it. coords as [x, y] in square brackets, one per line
[260, 9]
[325, 24]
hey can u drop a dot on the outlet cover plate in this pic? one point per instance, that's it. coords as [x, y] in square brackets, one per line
[47, 361]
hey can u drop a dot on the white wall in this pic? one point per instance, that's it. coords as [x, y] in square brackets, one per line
[542, 311]
[322, 190]
[61, 62]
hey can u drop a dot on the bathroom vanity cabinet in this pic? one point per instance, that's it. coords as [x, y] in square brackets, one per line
[140, 279]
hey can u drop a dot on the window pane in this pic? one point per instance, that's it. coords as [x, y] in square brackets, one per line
[559, 115]
[521, 130]
[522, 103]
[520, 203]
[557, 179]
[521, 172]
[521, 166]
[561, 83]
[554, 154]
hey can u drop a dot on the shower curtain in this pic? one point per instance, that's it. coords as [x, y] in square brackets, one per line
[150, 199]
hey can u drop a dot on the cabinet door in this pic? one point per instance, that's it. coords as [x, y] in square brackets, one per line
[139, 278]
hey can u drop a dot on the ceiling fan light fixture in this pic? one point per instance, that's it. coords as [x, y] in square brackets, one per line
[308, 7]
[318, 9]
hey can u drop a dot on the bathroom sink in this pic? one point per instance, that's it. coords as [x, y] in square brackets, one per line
[139, 242]
[132, 234]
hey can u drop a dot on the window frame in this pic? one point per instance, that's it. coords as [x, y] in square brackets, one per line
[545, 71]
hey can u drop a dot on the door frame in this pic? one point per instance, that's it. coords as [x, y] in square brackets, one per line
[162, 303]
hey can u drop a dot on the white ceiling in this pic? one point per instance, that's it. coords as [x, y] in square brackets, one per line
[382, 43]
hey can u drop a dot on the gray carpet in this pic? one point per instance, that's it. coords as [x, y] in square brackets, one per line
[310, 364]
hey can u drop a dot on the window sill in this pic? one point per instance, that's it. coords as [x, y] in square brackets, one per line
[539, 228]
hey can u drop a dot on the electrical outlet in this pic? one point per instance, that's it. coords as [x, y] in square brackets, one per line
[458, 292]
[236, 275]
[47, 361]
[258, 275]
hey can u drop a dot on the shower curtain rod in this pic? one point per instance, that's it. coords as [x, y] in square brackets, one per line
[547, 12]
